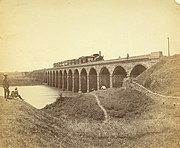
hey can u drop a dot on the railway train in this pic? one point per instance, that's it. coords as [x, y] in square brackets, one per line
[80, 60]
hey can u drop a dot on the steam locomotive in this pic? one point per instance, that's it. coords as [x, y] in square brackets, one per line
[80, 60]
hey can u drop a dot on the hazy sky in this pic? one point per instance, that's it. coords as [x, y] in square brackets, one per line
[36, 33]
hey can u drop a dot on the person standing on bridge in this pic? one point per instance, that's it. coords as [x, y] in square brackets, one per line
[6, 86]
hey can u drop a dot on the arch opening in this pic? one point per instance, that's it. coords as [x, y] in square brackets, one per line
[83, 80]
[118, 76]
[60, 79]
[48, 78]
[92, 79]
[76, 81]
[137, 70]
[65, 80]
[45, 77]
[54, 75]
[104, 78]
[56, 85]
[70, 80]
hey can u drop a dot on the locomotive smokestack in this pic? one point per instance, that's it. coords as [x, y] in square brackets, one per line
[99, 53]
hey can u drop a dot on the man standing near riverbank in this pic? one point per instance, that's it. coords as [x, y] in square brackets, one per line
[6, 86]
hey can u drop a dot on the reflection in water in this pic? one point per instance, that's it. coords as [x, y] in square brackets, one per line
[38, 96]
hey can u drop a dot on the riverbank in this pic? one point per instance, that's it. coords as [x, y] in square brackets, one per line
[36, 95]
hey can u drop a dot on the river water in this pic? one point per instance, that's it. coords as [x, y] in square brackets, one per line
[38, 96]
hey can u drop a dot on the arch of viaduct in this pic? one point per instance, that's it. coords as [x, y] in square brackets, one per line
[91, 76]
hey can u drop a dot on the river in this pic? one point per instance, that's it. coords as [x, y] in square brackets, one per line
[38, 96]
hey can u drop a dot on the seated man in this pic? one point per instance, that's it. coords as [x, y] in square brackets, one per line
[16, 94]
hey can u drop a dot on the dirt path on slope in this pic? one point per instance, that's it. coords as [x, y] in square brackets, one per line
[102, 108]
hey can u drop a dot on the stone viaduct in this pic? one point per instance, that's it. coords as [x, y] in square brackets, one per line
[93, 75]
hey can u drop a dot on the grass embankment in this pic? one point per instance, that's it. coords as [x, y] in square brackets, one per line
[25, 126]
[118, 103]
[135, 120]
[163, 77]
[81, 107]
